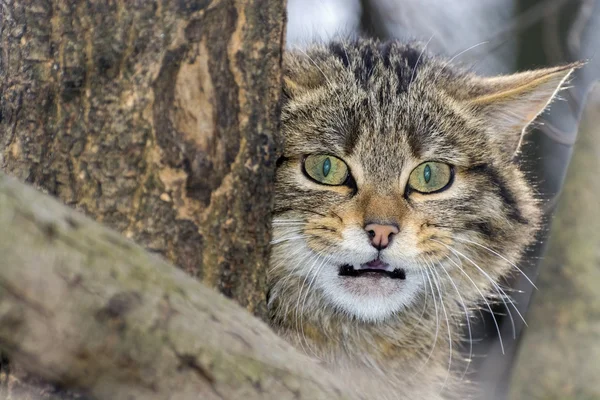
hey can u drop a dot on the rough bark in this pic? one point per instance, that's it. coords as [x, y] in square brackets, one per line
[82, 306]
[157, 118]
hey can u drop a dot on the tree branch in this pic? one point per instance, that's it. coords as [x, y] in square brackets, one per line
[84, 307]
[567, 306]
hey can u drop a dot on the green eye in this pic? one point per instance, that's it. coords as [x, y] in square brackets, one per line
[430, 177]
[326, 169]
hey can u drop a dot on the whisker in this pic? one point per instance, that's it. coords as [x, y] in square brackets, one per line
[480, 293]
[291, 256]
[436, 281]
[298, 48]
[439, 73]
[331, 86]
[318, 270]
[467, 316]
[424, 306]
[502, 257]
[437, 325]
[298, 265]
[502, 294]
[299, 329]
[412, 77]
[464, 51]
[287, 239]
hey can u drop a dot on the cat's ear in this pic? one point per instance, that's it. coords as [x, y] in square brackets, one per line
[290, 88]
[294, 84]
[300, 75]
[509, 104]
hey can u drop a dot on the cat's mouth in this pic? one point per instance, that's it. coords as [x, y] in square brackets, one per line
[373, 269]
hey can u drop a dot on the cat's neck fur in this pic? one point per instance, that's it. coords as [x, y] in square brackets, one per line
[388, 356]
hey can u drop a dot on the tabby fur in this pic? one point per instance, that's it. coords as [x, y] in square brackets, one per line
[384, 108]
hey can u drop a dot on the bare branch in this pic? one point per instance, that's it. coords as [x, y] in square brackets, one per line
[81, 305]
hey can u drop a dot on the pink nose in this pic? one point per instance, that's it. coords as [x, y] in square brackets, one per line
[381, 235]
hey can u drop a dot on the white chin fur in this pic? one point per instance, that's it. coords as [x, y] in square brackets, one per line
[368, 299]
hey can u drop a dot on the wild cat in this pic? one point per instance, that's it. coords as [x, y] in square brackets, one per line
[399, 206]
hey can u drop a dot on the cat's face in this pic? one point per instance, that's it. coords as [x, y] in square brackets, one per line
[396, 173]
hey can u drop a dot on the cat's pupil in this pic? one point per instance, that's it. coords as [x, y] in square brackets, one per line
[326, 166]
[427, 173]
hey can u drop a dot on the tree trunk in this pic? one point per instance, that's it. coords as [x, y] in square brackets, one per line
[156, 118]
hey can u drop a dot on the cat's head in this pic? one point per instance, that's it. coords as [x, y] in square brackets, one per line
[398, 173]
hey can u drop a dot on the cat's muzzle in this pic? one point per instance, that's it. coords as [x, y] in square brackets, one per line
[373, 268]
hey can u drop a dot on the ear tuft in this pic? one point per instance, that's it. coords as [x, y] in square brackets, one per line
[290, 88]
[511, 103]
[300, 75]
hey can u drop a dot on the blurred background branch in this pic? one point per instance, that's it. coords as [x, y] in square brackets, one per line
[491, 37]
[558, 356]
